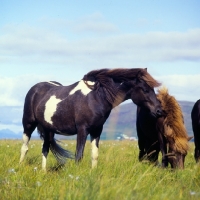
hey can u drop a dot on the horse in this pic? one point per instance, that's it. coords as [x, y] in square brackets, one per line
[167, 133]
[195, 115]
[82, 108]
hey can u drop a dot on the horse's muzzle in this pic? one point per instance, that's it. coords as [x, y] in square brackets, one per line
[159, 113]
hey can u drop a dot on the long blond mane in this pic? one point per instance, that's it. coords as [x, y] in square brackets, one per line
[174, 123]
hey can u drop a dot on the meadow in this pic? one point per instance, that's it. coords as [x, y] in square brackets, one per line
[118, 176]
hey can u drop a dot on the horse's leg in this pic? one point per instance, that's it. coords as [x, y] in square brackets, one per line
[141, 135]
[152, 151]
[197, 154]
[142, 152]
[94, 150]
[45, 149]
[95, 137]
[162, 141]
[24, 148]
[163, 148]
[197, 145]
[196, 130]
[28, 129]
[141, 142]
[80, 144]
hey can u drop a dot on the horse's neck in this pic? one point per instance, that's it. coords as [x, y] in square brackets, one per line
[121, 97]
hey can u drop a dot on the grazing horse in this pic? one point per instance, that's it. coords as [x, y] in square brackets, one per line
[82, 108]
[195, 115]
[166, 133]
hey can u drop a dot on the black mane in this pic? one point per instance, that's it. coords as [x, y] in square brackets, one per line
[107, 79]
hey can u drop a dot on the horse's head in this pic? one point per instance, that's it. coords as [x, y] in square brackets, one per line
[176, 159]
[177, 152]
[122, 84]
[143, 95]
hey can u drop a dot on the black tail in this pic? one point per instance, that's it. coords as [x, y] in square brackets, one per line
[60, 154]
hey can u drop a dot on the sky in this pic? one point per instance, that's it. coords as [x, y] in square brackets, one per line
[63, 40]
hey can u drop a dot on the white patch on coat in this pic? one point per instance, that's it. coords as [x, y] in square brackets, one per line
[53, 83]
[50, 108]
[95, 153]
[82, 87]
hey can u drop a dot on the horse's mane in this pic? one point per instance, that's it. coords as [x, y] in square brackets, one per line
[106, 78]
[173, 124]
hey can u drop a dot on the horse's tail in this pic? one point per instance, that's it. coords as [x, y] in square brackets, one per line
[60, 154]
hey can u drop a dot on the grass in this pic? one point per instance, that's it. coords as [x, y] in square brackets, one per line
[119, 175]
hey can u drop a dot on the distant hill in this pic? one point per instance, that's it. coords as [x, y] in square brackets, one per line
[8, 134]
[122, 120]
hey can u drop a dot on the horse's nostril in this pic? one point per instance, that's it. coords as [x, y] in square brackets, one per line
[159, 112]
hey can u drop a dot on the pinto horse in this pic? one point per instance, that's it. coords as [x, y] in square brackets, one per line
[166, 133]
[82, 108]
[195, 115]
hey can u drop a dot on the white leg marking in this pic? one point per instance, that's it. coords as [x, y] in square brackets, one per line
[24, 148]
[95, 153]
[82, 87]
[44, 162]
[50, 108]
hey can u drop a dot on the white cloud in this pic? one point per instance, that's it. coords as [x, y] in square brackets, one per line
[94, 23]
[25, 43]
[80, 43]
[13, 90]
[182, 87]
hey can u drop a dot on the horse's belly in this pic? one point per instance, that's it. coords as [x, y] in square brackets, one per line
[69, 133]
[59, 125]
[66, 129]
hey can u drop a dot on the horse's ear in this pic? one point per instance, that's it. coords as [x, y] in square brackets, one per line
[190, 137]
[138, 75]
[141, 72]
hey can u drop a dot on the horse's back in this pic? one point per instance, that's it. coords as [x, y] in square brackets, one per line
[38, 91]
[34, 96]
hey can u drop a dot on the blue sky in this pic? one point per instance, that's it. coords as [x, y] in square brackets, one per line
[63, 40]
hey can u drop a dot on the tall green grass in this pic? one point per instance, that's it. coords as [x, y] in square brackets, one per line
[118, 176]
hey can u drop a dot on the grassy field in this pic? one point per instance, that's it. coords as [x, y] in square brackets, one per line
[118, 176]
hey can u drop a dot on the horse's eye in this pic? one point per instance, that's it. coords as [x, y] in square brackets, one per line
[145, 90]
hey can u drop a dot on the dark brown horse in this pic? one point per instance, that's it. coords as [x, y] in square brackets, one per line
[83, 107]
[195, 115]
[166, 133]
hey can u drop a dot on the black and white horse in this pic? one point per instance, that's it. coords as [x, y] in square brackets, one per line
[82, 108]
